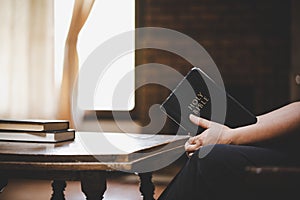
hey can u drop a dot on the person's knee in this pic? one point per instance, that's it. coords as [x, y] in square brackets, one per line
[215, 162]
[207, 159]
[211, 154]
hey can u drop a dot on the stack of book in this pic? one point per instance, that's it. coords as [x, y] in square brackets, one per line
[36, 130]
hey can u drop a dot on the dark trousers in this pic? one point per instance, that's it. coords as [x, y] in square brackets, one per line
[218, 172]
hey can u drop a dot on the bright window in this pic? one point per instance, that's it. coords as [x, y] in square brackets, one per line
[108, 18]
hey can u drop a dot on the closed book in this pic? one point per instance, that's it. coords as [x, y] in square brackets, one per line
[192, 96]
[35, 136]
[33, 125]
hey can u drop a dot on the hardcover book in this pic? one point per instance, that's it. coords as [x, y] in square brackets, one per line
[37, 136]
[192, 96]
[33, 125]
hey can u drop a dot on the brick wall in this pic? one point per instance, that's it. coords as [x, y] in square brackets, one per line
[249, 40]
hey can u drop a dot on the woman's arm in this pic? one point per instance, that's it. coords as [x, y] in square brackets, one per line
[284, 120]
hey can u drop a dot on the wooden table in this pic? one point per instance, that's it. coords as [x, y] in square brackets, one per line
[88, 159]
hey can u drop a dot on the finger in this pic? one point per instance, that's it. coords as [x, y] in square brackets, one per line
[192, 140]
[192, 147]
[199, 121]
[190, 154]
[195, 140]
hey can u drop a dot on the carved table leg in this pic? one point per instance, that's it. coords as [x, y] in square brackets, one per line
[93, 185]
[146, 186]
[58, 188]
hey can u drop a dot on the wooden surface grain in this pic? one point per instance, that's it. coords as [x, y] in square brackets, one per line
[93, 151]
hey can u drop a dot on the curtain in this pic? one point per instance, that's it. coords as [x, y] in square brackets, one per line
[27, 59]
[81, 12]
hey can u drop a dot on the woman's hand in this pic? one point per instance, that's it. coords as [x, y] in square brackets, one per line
[215, 133]
[280, 122]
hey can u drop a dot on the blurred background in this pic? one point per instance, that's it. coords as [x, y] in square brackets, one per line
[254, 43]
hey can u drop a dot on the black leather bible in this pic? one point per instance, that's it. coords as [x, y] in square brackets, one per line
[193, 96]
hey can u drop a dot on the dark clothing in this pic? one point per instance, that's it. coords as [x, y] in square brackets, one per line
[218, 172]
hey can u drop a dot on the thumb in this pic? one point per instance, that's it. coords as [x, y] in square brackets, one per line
[199, 121]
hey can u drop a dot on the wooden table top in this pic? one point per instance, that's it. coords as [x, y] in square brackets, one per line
[93, 149]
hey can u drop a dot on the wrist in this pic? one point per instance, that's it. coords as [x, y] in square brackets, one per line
[234, 136]
[243, 135]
